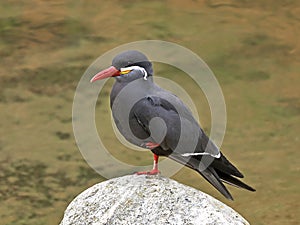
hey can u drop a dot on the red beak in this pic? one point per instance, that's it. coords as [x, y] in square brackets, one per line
[109, 72]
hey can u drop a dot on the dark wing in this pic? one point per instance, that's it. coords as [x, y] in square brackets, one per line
[160, 119]
[182, 140]
[156, 120]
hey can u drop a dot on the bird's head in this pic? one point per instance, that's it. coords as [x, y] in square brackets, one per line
[128, 65]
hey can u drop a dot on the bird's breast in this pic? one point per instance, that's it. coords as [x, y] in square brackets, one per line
[123, 99]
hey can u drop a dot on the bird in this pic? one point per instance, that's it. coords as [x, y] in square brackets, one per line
[159, 121]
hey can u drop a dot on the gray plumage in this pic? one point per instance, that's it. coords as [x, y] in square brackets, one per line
[156, 115]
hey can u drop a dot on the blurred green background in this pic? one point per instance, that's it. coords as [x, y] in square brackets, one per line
[45, 46]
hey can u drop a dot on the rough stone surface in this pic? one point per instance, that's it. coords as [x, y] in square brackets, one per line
[151, 200]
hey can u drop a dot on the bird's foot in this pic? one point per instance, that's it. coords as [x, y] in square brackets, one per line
[155, 170]
[152, 172]
[150, 145]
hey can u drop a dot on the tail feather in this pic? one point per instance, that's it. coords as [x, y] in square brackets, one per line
[233, 181]
[219, 171]
[212, 177]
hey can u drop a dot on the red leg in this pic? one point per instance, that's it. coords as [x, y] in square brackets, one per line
[155, 170]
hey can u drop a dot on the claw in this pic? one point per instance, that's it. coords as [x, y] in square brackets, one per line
[152, 172]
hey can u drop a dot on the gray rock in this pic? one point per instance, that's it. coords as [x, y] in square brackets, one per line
[139, 199]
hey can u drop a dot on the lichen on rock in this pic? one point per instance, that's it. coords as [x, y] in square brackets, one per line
[151, 200]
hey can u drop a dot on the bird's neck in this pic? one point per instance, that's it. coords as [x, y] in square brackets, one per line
[126, 89]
